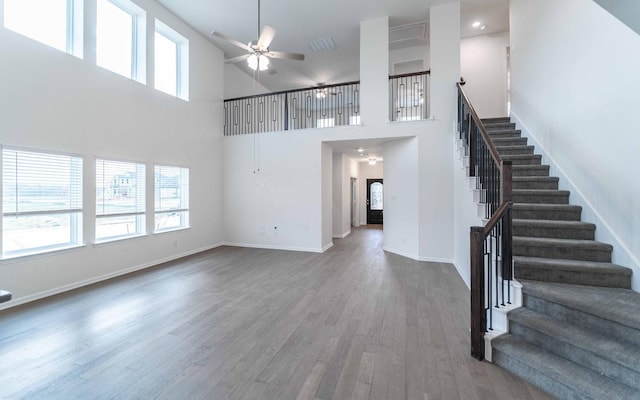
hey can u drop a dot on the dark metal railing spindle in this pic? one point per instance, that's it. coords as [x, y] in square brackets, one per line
[491, 246]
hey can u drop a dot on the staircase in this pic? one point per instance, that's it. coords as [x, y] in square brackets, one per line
[577, 335]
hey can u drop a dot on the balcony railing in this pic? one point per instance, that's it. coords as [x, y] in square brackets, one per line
[315, 107]
[408, 96]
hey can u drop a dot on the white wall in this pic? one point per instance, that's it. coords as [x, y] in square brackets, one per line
[401, 203]
[574, 90]
[435, 170]
[54, 101]
[343, 171]
[327, 196]
[408, 54]
[483, 64]
[238, 84]
[374, 71]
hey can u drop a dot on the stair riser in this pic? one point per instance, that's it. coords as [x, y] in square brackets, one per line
[592, 278]
[504, 134]
[510, 141]
[555, 215]
[533, 376]
[501, 125]
[585, 233]
[533, 170]
[580, 318]
[505, 151]
[562, 252]
[542, 185]
[527, 160]
[542, 198]
[577, 355]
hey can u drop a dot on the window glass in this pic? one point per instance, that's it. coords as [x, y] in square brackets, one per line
[114, 39]
[171, 198]
[376, 196]
[120, 199]
[41, 201]
[166, 64]
[52, 22]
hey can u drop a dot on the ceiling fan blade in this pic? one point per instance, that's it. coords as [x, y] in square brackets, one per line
[237, 59]
[230, 40]
[266, 36]
[288, 56]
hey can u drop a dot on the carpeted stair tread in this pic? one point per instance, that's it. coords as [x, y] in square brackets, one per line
[572, 271]
[535, 182]
[546, 211]
[553, 228]
[504, 132]
[496, 119]
[507, 141]
[514, 149]
[592, 350]
[544, 196]
[530, 170]
[523, 159]
[614, 304]
[555, 374]
[572, 249]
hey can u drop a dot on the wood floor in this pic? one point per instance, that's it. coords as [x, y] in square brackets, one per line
[233, 323]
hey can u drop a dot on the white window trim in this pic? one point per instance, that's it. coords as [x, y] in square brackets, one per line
[182, 58]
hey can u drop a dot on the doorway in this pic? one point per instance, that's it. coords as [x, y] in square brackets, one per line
[375, 203]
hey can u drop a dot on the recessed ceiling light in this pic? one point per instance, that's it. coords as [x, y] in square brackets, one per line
[476, 24]
[483, 27]
[360, 149]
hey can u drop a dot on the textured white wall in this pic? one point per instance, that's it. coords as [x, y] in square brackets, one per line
[574, 90]
[54, 101]
[483, 64]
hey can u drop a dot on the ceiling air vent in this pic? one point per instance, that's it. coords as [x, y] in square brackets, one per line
[322, 44]
[407, 32]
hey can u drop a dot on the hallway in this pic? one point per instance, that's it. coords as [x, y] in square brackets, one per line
[354, 322]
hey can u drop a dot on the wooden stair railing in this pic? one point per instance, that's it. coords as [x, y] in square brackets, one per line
[491, 245]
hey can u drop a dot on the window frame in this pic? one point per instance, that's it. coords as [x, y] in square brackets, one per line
[184, 199]
[182, 59]
[141, 228]
[74, 33]
[138, 16]
[76, 214]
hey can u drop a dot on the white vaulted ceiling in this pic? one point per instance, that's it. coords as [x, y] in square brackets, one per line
[300, 21]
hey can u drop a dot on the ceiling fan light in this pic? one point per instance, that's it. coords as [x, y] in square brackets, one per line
[256, 62]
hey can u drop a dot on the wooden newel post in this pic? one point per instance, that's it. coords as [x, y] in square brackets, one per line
[478, 317]
[507, 182]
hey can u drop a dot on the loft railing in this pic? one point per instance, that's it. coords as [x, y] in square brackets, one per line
[491, 246]
[408, 96]
[316, 107]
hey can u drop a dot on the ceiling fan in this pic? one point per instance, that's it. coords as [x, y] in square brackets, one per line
[258, 50]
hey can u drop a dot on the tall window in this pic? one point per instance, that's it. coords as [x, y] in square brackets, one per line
[120, 199]
[41, 202]
[171, 198]
[120, 38]
[57, 23]
[171, 62]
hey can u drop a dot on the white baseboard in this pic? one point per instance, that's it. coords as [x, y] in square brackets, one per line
[416, 257]
[274, 247]
[605, 232]
[91, 281]
[343, 235]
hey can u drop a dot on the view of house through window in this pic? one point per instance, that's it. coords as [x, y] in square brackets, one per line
[41, 202]
[171, 198]
[57, 23]
[120, 199]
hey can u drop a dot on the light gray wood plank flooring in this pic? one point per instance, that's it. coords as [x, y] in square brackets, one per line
[233, 323]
